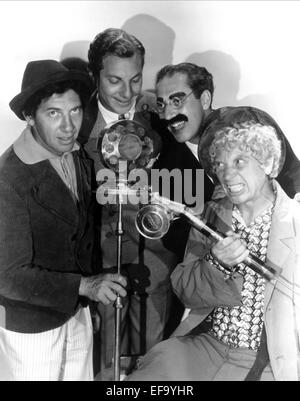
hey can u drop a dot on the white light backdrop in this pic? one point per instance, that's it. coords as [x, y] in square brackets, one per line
[251, 48]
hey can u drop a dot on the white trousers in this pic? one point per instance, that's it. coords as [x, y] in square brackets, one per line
[62, 354]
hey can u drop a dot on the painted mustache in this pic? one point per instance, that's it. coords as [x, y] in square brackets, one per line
[176, 119]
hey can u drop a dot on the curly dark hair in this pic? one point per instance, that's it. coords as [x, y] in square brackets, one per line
[112, 42]
[198, 78]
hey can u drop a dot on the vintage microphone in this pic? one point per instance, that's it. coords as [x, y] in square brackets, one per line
[123, 146]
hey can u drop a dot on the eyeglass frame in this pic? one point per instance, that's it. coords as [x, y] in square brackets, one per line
[169, 103]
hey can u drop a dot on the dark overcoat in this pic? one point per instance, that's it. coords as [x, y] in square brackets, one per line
[46, 242]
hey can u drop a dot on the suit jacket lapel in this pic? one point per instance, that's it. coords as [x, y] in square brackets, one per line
[84, 168]
[50, 192]
[100, 124]
[91, 146]
[281, 240]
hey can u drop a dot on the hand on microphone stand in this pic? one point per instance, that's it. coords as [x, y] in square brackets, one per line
[103, 288]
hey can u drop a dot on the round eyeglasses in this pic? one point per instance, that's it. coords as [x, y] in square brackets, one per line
[176, 102]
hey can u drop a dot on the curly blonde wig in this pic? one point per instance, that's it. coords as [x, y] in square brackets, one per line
[259, 140]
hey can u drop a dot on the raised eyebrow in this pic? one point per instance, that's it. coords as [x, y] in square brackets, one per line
[78, 106]
[53, 108]
[59, 109]
[177, 94]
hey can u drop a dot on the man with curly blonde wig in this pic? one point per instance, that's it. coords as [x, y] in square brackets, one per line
[260, 140]
[255, 321]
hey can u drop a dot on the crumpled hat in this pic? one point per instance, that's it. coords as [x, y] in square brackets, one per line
[39, 74]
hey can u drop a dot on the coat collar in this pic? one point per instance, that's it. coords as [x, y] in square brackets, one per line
[282, 234]
[29, 151]
[281, 239]
[49, 190]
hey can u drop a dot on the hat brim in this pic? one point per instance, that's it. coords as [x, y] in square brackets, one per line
[18, 103]
[226, 117]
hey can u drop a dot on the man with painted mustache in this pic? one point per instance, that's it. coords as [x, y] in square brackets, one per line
[255, 322]
[184, 103]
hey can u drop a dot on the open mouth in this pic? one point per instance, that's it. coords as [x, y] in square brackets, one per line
[235, 189]
[176, 126]
[123, 103]
[177, 123]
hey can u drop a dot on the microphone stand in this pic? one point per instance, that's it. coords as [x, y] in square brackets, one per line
[135, 150]
[118, 304]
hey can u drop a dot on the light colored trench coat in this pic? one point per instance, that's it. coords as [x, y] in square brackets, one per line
[201, 287]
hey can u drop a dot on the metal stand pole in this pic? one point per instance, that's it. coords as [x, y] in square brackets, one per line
[118, 304]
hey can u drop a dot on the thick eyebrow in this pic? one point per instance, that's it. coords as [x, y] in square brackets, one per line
[79, 105]
[52, 108]
[176, 94]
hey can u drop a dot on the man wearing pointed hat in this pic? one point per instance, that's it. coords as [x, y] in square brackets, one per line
[255, 318]
[47, 274]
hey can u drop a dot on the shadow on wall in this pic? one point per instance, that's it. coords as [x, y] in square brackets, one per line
[158, 40]
[226, 72]
[74, 56]
[77, 48]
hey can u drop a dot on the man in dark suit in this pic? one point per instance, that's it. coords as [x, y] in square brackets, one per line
[184, 96]
[116, 61]
[184, 103]
[47, 274]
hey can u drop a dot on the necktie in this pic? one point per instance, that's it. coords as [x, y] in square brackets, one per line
[121, 117]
